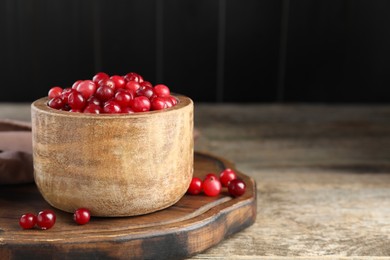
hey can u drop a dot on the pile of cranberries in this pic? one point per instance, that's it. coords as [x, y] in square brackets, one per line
[105, 94]
[212, 184]
[47, 218]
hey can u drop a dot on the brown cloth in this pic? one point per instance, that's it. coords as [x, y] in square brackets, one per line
[16, 164]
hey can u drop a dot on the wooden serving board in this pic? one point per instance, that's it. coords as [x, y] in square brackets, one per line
[192, 225]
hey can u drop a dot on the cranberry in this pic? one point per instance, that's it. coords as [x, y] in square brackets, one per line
[55, 92]
[212, 186]
[99, 76]
[46, 219]
[168, 102]
[145, 91]
[27, 221]
[140, 104]
[211, 174]
[195, 186]
[82, 216]
[92, 109]
[132, 76]
[56, 103]
[133, 86]
[119, 81]
[112, 107]
[131, 92]
[173, 100]
[226, 176]
[76, 100]
[161, 90]
[158, 103]
[108, 83]
[146, 84]
[94, 100]
[87, 88]
[104, 93]
[127, 110]
[76, 83]
[236, 187]
[123, 97]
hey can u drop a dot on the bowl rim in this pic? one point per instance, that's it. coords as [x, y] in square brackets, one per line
[41, 106]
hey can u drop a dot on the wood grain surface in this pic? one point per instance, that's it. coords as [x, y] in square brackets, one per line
[190, 226]
[322, 174]
[112, 163]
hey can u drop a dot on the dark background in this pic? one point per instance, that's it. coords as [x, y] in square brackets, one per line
[333, 51]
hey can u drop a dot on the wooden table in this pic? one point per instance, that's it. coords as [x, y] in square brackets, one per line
[322, 174]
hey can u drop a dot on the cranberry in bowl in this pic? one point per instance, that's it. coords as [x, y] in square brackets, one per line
[114, 164]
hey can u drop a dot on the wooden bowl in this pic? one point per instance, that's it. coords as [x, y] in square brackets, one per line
[114, 165]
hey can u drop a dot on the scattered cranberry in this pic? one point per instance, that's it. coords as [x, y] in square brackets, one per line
[161, 90]
[212, 186]
[195, 186]
[236, 187]
[211, 174]
[226, 176]
[92, 109]
[27, 221]
[46, 219]
[82, 216]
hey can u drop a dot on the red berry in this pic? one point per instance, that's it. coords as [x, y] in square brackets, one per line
[56, 103]
[55, 92]
[173, 100]
[211, 175]
[145, 91]
[146, 84]
[123, 97]
[27, 221]
[133, 86]
[226, 176]
[99, 76]
[141, 104]
[195, 186]
[161, 90]
[107, 82]
[127, 110]
[212, 186]
[236, 187]
[92, 109]
[76, 100]
[87, 88]
[82, 216]
[46, 219]
[168, 102]
[104, 93]
[76, 83]
[119, 81]
[133, 76]
[94, 100]
[65, 94]
[158, 103]
[112, 107]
